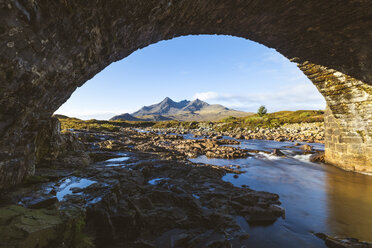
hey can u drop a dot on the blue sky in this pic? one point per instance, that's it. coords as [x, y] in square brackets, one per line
[234, 72]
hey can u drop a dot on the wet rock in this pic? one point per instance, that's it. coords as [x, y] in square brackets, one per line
[53, 146]
[42, 202]
[278, 152]
[30, 228]
[35, 179]
[306, 148]
[123, 209]
[318, 157]
[228, 142]
[261, 215]
[112, 145]
[332, 242]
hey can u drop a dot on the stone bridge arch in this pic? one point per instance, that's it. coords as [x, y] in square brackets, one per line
[49, 48]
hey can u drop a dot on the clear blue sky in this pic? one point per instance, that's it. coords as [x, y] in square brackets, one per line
[231, 71]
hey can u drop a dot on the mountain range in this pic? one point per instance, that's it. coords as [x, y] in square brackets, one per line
[185, 110]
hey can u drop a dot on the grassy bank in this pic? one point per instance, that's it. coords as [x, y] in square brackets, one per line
[276, 119]
[97, 125]
[271, 120]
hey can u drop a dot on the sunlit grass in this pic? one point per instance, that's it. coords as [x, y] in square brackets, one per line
[271, 120]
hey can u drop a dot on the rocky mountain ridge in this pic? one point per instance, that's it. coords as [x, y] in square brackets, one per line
[196, 110]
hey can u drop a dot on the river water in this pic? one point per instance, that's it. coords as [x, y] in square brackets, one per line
[316, 197]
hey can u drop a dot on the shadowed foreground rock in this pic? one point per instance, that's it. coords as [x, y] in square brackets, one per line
[152, 198]
[332, 242]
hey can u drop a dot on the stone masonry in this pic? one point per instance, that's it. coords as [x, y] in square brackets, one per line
[49, 48]
[348, 118]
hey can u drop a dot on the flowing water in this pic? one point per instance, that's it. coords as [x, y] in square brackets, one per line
[316, 197]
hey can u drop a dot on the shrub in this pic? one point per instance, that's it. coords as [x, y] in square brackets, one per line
[262, 111]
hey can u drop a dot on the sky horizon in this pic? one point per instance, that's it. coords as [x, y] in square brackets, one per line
[234, 72]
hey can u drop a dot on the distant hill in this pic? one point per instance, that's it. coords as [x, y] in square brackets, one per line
[126, 116]
[129, 117]
[185, 110]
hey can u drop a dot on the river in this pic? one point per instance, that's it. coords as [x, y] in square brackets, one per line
[316, 197]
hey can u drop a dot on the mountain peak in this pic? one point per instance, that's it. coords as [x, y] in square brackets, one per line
[168, 109]
[165, 107]
[167, 99]
[195, 105]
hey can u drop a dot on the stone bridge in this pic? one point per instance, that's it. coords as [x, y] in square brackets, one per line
[49, 48]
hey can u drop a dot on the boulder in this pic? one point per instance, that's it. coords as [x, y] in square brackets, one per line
[318, 157]
[278, 152]
[342, 242]
[306, 148]
[30, 228]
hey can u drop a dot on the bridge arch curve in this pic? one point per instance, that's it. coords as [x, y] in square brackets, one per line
[49, 48]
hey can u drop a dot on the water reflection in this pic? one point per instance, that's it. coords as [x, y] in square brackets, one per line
[317, 198]
[349, 197]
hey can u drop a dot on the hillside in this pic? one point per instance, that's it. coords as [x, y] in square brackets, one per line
[129, 117]
[185, 110]
[270, 120]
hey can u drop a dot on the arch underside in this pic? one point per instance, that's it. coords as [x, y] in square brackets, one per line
[49, 48]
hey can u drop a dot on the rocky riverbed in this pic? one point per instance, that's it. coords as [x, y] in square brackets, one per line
[304, 132]
[139, 190]
[135, 193]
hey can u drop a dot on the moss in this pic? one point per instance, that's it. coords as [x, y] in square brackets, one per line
[22, 227]
[74, 234]
[81, 239]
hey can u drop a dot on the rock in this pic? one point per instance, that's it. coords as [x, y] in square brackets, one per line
[124, 209]
[239, 136]
[30, 228]
[306, 148]
[42, 202]
[318, 157]
[35, 180]
[332, 242]
[278, 152]
[52, 145]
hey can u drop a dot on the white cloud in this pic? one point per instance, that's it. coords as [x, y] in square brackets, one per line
[302, 96]
[87, 115]
[206, 95]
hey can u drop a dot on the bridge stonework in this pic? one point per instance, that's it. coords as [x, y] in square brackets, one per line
[348, 117]
[49, 48]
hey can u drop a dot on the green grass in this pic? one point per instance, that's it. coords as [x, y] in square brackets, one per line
[270, 120]
[273, 119]
[97, 125]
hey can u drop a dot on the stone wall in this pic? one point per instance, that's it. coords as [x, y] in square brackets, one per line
[49, 48]
[348, 118]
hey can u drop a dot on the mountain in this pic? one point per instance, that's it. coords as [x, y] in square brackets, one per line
[185, 110]
[126, 117]
[165, 107]
[129, 117]
[195, 105]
